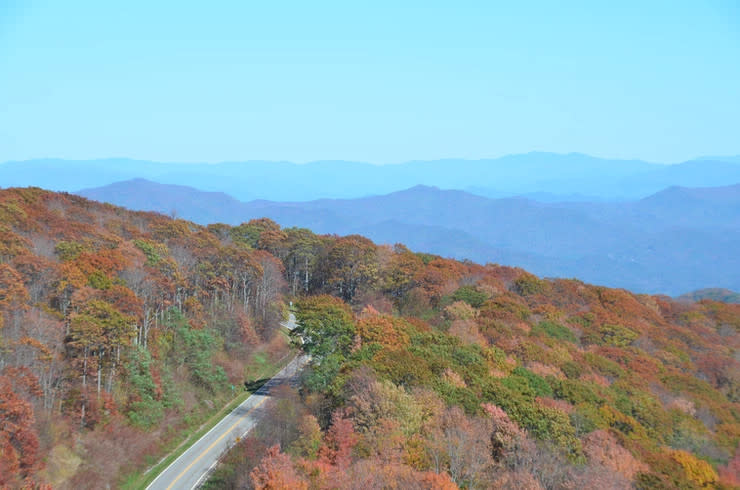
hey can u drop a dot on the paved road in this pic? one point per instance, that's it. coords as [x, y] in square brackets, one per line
[190, 469]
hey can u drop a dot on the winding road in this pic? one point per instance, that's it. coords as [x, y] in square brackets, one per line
[193, 466]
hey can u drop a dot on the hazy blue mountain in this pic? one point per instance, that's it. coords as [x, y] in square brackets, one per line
[181, 201]
[695, 173]
[544, 177]
[695, 207]
[71, 175]
[677, 240]
[731, 158]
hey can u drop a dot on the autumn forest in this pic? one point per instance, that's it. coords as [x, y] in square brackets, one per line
[121, 332]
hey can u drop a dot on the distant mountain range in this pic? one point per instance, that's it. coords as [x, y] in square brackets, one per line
[677, 240]
[544, 177]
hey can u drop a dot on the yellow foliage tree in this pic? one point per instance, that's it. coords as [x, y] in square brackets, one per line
[697, 470]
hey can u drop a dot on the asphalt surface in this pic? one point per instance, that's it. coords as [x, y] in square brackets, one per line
[191, 468]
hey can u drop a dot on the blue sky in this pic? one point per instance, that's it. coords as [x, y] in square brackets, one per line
[371, 81]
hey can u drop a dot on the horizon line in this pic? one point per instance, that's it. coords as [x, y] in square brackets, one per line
[375, 164]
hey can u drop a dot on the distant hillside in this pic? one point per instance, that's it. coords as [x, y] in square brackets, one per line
[678, 240]
[715, 294]
[545, 176]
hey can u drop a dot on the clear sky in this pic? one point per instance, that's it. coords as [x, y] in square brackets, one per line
[372, 81]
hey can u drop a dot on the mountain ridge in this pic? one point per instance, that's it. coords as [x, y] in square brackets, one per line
[524, 174]
[635, 245]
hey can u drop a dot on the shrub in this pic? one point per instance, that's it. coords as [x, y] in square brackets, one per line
[528, 285]
[537, 383]
[615, 335]
[572, 369]
[68, 250]
[470, 295]
[555, 331]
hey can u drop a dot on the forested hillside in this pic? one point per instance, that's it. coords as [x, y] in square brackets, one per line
[119, 328]
[120, 331]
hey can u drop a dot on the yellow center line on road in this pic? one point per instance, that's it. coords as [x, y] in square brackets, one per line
[228, 431]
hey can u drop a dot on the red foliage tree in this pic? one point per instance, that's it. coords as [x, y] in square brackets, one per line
[276, 472]
[19, 444]
[340, 440]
